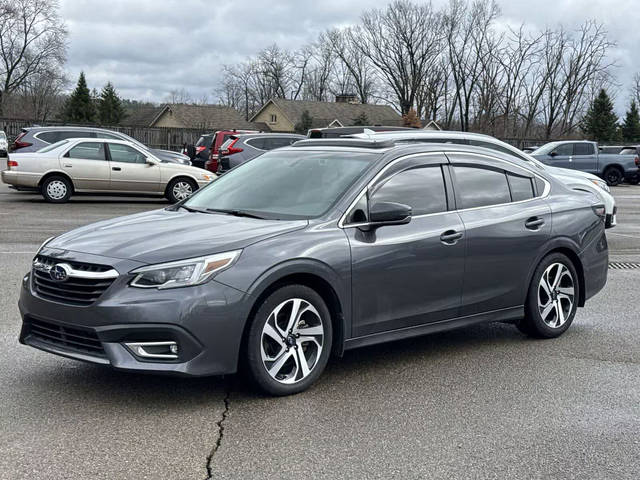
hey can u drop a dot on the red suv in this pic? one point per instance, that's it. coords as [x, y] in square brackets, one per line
[219, 138]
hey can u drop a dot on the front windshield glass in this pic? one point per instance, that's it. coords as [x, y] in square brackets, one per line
[53, 146]
[287, 184]
[545, 149]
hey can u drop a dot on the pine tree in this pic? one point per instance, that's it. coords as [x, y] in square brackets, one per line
[110, 109]
[79, 107]
[631, 125]
[361, 120]
[601, 122]
[305, 123]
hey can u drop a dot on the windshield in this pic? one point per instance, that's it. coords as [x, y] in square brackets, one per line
[204, 141]
[546, 149]
[285, 184]
[53, 146]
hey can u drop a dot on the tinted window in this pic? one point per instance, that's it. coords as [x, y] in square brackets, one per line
[564, 149]
[49, 137]
[258, 143]
[277, 142]
[628, 151]
[204, 141]
[479, 187]
[285, 184]
[126, 154]
[521, 187]
[583, 149]
[87, 151]
[420, 188]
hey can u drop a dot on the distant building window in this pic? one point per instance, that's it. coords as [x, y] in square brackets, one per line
[274, 118]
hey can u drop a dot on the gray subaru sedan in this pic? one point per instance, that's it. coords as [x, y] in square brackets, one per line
[313, 249]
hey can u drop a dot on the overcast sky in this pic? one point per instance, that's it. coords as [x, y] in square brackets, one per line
[147, 48]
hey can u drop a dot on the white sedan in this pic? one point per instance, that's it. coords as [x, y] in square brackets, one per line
[101, 166]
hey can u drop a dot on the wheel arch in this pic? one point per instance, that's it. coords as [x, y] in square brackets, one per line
[56, 173]
[613, 165]
[178, 176]
[320, 278]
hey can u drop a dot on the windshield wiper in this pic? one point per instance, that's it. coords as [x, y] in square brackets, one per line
[235, 213]
[192, 209]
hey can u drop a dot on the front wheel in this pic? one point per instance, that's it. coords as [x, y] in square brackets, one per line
[180, 189]
[613, 176]
[552, 299]
[289, 340]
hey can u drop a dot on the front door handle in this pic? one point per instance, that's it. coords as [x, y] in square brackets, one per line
[450, 237]
[117, 169]
[534, 223]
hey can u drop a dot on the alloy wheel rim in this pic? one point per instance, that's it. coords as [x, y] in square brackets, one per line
[182, 190]
[56, 189]
[556, 294]
[292, 341]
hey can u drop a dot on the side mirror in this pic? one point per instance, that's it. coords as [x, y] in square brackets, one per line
[389, 213]
[553, 154]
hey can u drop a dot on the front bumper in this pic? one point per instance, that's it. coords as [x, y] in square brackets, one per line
[206, 321]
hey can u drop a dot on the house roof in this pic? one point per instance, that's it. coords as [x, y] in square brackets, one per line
[141, 115]
[205, 116]
[323, 113]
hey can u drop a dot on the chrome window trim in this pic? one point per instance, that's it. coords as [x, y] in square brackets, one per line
[545, 192]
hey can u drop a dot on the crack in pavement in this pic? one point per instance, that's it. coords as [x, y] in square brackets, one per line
[220, 424]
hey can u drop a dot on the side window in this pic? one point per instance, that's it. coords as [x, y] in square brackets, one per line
[421, 188]
[583, 149]
[566, 149]
[87, 151]
[49, 137]
[108, 136]
[258, 143]
[277, 142]
[75, 134]
[480, 187]
[521, 187]
[125, 154]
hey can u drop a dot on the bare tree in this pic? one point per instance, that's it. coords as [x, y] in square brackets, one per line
[32, 41]
[179, 95]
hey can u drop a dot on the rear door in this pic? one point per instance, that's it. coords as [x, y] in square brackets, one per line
[130, 171]
[584, 157]
[86, 163]
[507, 222]
[407, 275]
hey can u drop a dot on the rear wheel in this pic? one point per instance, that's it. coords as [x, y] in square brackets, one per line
[613, 176]
[180, 189]
[56, 189]
[289, 340]
[552, 299]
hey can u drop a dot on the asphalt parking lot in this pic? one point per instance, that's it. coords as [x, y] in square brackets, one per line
[482, 402]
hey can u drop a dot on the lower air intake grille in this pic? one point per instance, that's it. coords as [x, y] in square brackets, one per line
[74, 339]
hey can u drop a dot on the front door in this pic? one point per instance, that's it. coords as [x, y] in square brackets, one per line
[130, 171]
[86, 163]
[506, 223]
[411, 274]
[561, 157]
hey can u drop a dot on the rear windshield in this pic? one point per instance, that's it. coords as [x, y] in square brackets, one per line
[204, 141]
[285, 184]
[53, 146]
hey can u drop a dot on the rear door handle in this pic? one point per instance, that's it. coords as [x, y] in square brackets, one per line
[450, 237]
[534, 223]
[117, 169]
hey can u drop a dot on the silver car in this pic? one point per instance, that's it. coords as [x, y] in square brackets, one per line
[101, 166]
[4, 145]
[242, 148]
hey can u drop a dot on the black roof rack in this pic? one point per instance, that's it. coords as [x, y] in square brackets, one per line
[344, 142]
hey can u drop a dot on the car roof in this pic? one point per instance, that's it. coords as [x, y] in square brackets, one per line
[70, 127]
[267, 134]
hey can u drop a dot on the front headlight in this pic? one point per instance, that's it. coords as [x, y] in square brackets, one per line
[183, 273]
[602, 184]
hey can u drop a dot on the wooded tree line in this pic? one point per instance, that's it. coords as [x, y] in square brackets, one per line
[456, 65]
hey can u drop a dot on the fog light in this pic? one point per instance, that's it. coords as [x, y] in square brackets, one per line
[154, 350]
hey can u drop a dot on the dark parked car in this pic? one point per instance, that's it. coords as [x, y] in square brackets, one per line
[314, 249]
[201, 150]
[241, 148]
[32, 139]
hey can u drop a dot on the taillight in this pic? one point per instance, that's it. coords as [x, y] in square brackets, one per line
[200, 149]
[11, 163]
[230, 150]
[637, 160]
[18, 144]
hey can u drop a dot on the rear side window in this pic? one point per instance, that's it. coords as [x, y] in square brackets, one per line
[87, 151]
[204, 141]
[521, 187]
[277, 142]
[583, 149]
[628, 151]
[258, 143]
[421, 188]
[49, 137]
[480, 187]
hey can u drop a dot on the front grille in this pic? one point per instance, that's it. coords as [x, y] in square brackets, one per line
[74, 291]
[74, 339]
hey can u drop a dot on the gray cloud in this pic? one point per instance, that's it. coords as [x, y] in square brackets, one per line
[148, 48]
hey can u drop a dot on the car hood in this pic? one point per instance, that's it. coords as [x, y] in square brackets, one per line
[170, 156]
[568, 172]
[165, 235]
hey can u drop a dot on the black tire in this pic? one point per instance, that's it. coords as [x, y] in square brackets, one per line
[634, 180]
[613, 176]
[254, 364]
[173, 188]
[533, 323]
[56, 189]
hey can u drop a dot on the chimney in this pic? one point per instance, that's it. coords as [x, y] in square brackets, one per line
[346, 98]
